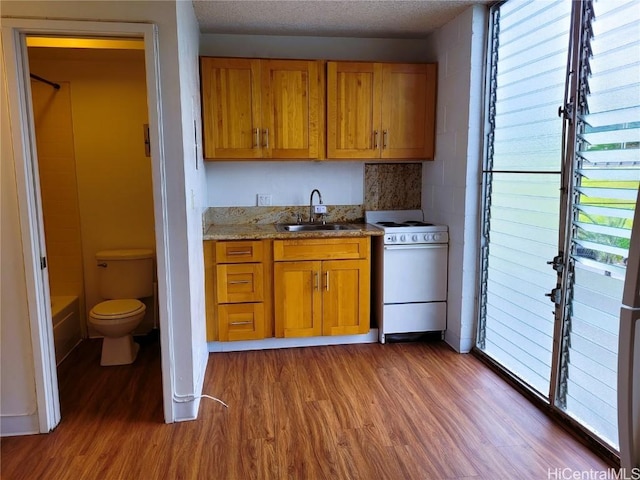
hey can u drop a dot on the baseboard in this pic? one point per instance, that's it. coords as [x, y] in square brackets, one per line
[186, 409]
[15, 425]
[272, 343]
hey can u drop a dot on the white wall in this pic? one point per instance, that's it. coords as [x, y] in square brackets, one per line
[18, 408]
[233, 184]
[192, 333]
[178, 356]
[290, 183]
[451, 184]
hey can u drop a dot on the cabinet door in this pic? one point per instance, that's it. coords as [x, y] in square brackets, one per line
[345, 292]
[298, 308]
[354, 90]
[292, 109]
[408, 111]
[231, 107]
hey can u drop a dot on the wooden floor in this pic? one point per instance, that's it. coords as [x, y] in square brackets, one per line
[394, 411]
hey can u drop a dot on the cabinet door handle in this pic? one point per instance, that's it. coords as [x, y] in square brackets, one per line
[256, 138]
[326, 280]
[375, 139]
[239, 252]
[385, 135]
[315, 280]
[266, 138]
[239, 282]
[248, 322]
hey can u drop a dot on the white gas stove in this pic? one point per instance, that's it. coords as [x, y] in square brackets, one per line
[405, 227]
[411, 273]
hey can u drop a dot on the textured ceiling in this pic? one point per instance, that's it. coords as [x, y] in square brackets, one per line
[329, 18]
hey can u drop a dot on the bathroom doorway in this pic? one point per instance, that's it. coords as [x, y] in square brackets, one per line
[90, 115]
[47, 415]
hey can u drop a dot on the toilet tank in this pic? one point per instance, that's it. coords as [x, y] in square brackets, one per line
[125, 273]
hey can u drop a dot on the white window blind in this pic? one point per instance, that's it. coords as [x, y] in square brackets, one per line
[607, 167]
[522, 175]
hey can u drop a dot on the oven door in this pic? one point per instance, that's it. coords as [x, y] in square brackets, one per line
[415, 273]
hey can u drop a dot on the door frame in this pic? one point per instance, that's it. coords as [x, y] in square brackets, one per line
[14, 32]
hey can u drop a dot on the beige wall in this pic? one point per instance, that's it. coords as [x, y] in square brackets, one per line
[107, 111]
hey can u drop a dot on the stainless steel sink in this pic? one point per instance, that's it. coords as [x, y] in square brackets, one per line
[310, 227]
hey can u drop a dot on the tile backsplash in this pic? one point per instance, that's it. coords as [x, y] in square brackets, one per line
[267, 215]
[392, 186]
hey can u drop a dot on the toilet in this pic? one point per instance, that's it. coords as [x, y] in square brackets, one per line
[124, 277]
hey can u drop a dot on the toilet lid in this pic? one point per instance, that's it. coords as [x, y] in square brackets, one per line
[117, 308]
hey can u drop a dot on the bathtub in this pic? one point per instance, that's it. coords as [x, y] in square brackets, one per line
[65, 313]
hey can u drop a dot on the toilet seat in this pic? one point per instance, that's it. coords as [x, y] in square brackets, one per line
[117, 309]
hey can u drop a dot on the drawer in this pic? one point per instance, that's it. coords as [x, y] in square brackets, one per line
[240, 283]
[244, 251]
[321, 249]
[241, 322]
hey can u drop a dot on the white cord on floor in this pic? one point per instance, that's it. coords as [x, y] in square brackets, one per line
[189, 398]
[214, 398]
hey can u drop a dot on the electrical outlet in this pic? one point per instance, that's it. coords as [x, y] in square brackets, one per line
[320, 209]
[264, 199]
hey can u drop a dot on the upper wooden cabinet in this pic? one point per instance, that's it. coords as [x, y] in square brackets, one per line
[262, 108]
[380, 110]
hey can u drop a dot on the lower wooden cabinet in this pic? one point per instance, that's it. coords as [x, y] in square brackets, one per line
[287, 288]
[238, 291]
[322, 297]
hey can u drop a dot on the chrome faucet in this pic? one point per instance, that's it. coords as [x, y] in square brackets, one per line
[312, 217]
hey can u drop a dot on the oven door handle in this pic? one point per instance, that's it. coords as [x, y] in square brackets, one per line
[415, 247]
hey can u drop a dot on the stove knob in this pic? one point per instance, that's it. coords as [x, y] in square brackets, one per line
[426, 237]
[392, 238]
[414, 238]
[437, 237]
[403, 238]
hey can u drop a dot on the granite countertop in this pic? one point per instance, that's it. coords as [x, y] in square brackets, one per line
[269, 231]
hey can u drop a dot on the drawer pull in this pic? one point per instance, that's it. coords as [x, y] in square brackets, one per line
[239, 282]
[247, 322]
[240, 252]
